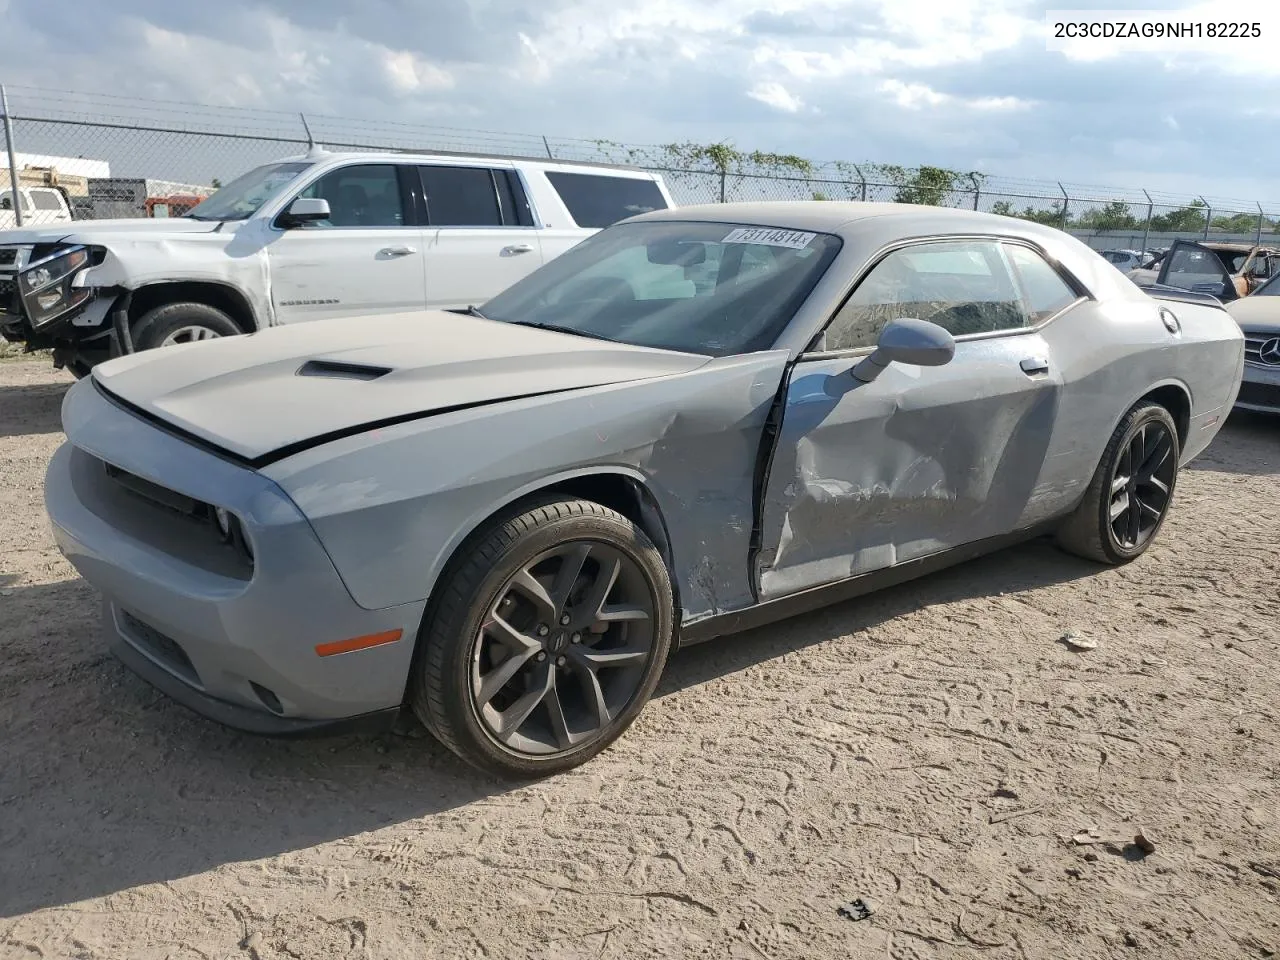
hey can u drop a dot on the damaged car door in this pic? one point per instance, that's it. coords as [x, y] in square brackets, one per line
[920, 459]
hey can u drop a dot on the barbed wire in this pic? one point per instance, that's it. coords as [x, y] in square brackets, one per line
[149, 141]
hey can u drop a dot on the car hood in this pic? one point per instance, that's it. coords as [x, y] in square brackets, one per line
[1256, 313]
[264, 396]
[101, 231]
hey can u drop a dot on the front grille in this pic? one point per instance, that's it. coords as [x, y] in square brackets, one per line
[158, 495]
[1253, 347]
[8, 292]
[160, 647]
[8, 256]
[1260, 394]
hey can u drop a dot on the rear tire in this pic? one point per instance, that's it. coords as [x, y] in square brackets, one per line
[549, 635]
[1128, 500]
[181, 323]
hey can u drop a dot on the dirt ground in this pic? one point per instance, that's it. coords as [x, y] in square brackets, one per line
[935, 751]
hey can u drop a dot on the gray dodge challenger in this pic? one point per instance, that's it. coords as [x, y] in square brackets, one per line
[697, 421]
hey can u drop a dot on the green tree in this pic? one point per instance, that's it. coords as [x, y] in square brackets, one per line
[215, 183]
[1186, 219]
[924, 185]
[1050, 216]
[1114, 215]
[1237, 223]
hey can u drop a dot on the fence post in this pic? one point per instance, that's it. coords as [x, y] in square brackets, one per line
[862, 184]
[1257, 238]
[723, 177]
[1208, 216]
[1066, 200]
[1146, 229]
[13, 160]
[547, 143]
[977, 189]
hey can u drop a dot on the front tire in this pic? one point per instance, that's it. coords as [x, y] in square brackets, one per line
[1128, 500]
[176, 323]
[549, 635]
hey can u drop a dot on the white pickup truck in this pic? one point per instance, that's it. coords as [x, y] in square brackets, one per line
[42, 206]
[322, 235]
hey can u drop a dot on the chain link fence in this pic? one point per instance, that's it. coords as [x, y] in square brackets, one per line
[92, 156]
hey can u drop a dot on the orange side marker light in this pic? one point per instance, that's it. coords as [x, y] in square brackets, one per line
[357, 643]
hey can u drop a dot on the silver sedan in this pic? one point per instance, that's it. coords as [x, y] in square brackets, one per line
[504, 520]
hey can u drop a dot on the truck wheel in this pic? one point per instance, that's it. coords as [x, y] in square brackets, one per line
[181, 323]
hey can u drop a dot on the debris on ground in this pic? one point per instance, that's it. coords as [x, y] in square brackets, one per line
[1086, 837]
[1078, 641]
[1144, 842]
[858, 909]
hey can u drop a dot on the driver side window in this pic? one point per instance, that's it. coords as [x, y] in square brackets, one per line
[364, 195]
[964, 286]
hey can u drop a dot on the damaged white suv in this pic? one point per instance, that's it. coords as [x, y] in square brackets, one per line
[322, 235]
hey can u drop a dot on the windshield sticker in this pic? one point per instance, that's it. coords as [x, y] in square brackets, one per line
[795, 239]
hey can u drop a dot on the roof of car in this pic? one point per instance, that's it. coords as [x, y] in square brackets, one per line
[1229, 246]
[319, 153]
[836, 216]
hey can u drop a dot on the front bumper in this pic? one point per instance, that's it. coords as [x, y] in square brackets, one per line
[233, 641]
[1260, 388]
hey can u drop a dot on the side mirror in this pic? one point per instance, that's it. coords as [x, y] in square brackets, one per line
[305, 210]
[917, 342]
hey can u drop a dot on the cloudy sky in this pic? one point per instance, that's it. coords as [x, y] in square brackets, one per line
[967, 84]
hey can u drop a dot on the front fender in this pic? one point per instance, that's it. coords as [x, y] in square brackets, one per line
[392, 505]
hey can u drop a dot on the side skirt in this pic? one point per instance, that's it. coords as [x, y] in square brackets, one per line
[815, 598]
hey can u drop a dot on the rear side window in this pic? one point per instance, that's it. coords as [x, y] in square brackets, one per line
[1045, 290]
[596, 200]
[45, 200]
[461, 197]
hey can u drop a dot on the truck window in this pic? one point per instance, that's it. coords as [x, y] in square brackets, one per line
[6, 202]
[596, 200]
[363, 195]
[46, 200]
[461, 196]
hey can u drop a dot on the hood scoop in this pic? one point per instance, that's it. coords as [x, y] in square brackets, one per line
[337, 370]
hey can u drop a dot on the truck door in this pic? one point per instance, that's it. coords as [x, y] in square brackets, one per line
[366, 258]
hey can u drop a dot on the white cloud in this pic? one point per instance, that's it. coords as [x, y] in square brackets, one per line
[409, 74]
[658, 71]
[775, 95]
[917, 96]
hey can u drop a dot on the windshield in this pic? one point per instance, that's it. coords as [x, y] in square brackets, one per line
[708, 288]
[241, 198]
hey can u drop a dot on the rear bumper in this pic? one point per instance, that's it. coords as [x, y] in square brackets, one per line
[232, 641]
[1260, 389]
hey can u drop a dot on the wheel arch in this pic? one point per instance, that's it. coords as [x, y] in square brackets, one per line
[617, 487]
[1174, 396]
[226, 297]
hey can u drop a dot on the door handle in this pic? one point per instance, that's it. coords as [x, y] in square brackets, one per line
[516, 248]
[398, 251]
[1034, 365]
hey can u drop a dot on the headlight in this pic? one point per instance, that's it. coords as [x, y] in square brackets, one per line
[231, 531]
[48, 288]
[223, 519]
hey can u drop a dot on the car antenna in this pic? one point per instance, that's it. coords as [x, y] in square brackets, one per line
[313, 148]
